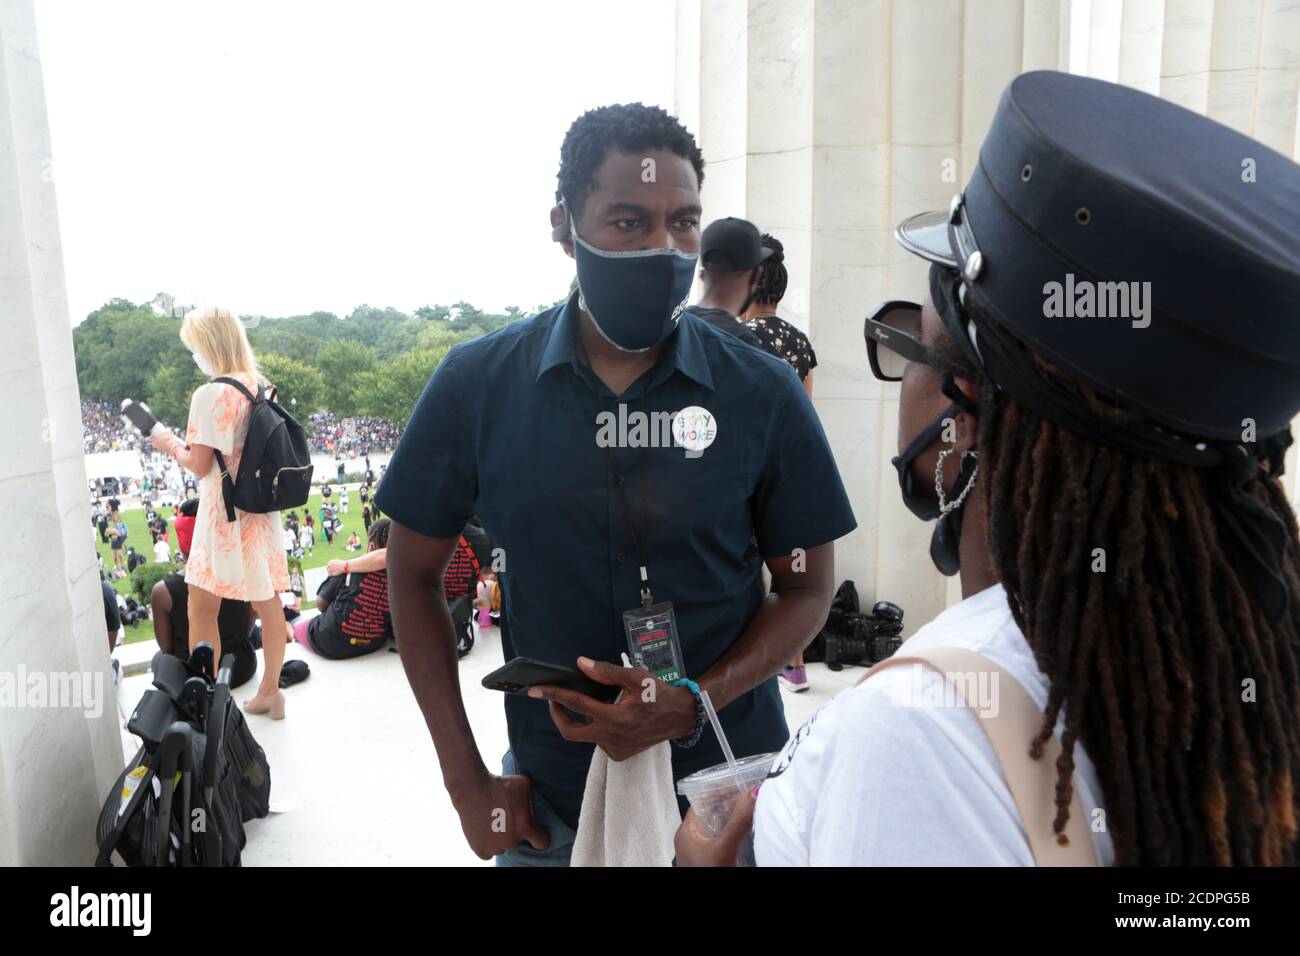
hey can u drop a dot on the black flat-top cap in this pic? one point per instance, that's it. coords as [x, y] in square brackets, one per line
[732, 245]
[1084, 182]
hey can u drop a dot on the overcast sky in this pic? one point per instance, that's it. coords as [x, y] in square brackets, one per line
[290, 156]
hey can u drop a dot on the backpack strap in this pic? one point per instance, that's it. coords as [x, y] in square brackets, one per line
[228, 483]
[227, 486]
[1010, 724]
[238, 384]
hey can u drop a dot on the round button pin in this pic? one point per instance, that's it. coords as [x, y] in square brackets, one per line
[694, 428]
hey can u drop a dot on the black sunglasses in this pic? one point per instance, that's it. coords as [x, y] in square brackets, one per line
[897, 326]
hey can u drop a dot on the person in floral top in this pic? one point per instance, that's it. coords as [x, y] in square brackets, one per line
[242, 559]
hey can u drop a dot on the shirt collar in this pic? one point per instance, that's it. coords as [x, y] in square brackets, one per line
[559, 342]
[684, 351]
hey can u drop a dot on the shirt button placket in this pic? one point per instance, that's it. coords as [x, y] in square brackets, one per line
[615, 525]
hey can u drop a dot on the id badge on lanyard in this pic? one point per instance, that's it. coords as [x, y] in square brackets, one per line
[652, 640]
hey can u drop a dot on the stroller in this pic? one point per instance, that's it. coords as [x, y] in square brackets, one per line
[200, 774]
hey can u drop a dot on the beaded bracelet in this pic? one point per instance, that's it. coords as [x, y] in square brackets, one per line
[701, 718]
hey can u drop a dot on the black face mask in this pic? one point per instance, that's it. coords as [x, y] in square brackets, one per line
[946, 540]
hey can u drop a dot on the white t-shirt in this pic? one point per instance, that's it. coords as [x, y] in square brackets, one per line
[161, 553]
[885, 774]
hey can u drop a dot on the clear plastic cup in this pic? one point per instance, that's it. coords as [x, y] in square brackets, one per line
[713, 792]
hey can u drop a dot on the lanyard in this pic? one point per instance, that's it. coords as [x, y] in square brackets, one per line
[639, 534]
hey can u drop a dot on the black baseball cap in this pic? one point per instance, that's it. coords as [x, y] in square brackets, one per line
[732, 245]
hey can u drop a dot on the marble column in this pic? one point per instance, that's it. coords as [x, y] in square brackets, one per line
[60, 747]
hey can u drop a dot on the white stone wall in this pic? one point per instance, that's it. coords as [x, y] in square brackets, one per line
[56, 764]
[826, 122]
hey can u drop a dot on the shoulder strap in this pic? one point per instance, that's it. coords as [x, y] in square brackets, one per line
[1010, 724]
[228, 483]
[238, 384]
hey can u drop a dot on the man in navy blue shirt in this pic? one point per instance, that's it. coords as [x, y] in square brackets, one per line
[614, 433]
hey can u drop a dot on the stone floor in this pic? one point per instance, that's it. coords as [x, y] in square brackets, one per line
[354, 776]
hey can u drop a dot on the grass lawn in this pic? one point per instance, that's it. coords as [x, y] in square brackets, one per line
[137, 536]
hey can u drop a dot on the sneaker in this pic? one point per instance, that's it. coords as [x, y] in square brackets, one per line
[794, 679]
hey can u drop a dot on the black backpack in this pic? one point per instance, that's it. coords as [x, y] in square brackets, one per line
[275, 470]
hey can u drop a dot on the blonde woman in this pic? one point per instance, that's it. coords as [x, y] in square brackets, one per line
[242, 559]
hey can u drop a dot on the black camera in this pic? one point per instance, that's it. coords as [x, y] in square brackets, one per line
[852, 638]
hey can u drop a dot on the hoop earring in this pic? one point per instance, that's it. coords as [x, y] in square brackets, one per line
[946, 506]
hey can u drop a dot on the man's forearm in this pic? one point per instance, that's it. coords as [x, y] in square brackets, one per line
[785, 624]
[426, 644]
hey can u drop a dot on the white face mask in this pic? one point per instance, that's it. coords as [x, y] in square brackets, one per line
[202, 363]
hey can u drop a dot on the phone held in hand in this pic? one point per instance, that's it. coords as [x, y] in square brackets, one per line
[138, 414]
[518, 675]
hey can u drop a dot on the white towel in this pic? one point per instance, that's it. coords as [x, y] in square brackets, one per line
[629, 811]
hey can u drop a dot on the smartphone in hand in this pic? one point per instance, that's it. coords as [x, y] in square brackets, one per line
[138, 414]
[521, 673]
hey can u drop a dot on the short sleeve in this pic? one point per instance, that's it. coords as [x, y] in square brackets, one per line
[800, 501]
[811, 354]
[329, 588]
[432, 482]
[212, 420]
[908, 785]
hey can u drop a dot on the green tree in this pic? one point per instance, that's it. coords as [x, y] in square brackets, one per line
[433, 313]
[438, 335]
[118, 348]
[392, 390]
[466, 311]
[287, 337]
[129, 350]
[170, 388]
[301, 387]
[340, 362]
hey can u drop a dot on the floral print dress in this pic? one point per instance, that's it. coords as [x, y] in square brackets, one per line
[242, 559]
[778, 337]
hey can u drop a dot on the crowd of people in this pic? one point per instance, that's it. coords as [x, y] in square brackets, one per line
[352, 437]
[102, 429]
[160, 484]
[123, 556]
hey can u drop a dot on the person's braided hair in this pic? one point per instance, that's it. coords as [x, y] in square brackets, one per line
[627, 128]
[1149, 659]
[772, 278]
